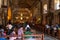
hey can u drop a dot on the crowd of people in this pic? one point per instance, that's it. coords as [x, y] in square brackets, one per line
[53, 28]
[17, 30]
[13, 32]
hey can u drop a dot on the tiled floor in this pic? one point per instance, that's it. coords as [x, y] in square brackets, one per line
[49, 38]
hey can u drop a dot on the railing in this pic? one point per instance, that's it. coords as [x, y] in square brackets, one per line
[36, 36]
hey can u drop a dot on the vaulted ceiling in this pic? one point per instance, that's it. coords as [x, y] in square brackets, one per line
[23, 3]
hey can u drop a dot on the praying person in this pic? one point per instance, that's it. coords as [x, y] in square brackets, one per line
[20, 33]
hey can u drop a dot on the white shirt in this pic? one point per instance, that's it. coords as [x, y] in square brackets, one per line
[47, 26]
[27, 26]
[12, 38]
[55, 28]
[9, 26]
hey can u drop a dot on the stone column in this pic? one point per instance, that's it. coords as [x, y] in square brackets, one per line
[49, 12]
[4, 12]
[41, 11]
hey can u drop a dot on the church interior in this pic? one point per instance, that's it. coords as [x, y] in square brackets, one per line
[43, 17]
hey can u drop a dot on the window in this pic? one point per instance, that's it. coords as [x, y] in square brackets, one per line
[0, 3]
[45, 8]
[57, 4]
[5, 2]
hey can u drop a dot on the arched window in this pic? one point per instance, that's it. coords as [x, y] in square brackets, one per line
[0, 3]
[45, 8]
[57, 4]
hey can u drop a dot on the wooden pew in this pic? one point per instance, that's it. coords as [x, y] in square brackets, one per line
[47, 31]
[58, 34]
[41, 36]
[42, 28]
[54, 33]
